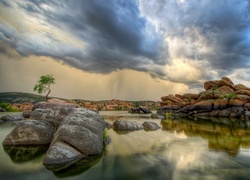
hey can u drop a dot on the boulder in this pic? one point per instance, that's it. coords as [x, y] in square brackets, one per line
[237, 112]
[247, 106]
[185, 109]
[222, 92]
[225, 112]
[108, 125]
[26, 114]
[179, 96]
[150, 126]
[2, 109]
[14, 117]
[52, 116]
[211, 84]
[124, 125]
[206, 95]
[214, 113]
[30, 132]
[239, 100]
[203, 105]
[227, 83]
[54, 104]
[172, 98]
[191, 96]
[247, 113]
[228, 80]
[243, 92]
[145, 110]
[80, 135]
[241, 87]
[157, 116]
[221, 103]
[218, 83]
[134, 110]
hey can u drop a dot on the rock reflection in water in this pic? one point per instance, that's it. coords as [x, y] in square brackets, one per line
[20, 154]
[227, 136]
[79, 167]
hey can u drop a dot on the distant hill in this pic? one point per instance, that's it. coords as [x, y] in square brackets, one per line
[114, 104]
[19, 97]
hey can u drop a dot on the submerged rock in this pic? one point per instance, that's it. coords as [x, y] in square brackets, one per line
[20, 154]
[150, 126]
[30, 132]
[124, 125]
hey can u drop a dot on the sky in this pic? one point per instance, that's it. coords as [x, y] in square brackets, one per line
[123, 49]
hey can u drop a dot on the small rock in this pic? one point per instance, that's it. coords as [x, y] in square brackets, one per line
[145, 110]
[150, 126]
[14, 117]
[2, 109]
[134, 110]
[108, 125]
[26, 114]
[124, 125]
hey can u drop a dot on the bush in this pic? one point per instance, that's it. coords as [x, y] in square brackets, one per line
[229, 96]
[8, 107]
[3, 105]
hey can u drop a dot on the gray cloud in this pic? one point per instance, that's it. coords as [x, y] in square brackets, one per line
[224, 27]
[115, 35]
[123, 34]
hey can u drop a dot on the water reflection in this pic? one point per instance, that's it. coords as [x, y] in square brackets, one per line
[227, 136]
[21, 154]
[79, 167]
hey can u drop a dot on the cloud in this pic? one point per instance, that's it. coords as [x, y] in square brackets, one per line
[114, 35]
[214, 32]
[183, 41]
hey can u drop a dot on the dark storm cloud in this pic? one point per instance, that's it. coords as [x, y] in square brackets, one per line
[114, 34]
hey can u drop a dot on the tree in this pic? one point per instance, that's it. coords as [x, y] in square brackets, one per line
[44, 83]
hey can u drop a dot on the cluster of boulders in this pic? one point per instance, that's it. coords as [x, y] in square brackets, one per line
[221, 98]
[72, 133]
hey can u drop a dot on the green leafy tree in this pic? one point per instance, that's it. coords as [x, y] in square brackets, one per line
[44, 83]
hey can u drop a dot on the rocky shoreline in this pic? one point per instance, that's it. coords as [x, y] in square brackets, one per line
[221, 98]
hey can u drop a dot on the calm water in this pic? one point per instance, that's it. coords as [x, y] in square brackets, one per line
[182, 149]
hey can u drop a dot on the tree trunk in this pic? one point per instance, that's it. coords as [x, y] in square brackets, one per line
[47, 98]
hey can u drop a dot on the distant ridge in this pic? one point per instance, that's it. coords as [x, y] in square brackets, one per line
[20, 97]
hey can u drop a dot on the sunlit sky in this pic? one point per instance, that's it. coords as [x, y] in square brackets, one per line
[123, 49]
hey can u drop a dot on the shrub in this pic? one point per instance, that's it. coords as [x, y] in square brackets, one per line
[8, 107]
[3, 105]
[229, 96]
[105, 135]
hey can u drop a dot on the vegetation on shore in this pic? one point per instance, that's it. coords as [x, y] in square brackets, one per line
[8, 107]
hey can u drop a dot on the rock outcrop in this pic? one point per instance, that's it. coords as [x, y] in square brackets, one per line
[220, 98]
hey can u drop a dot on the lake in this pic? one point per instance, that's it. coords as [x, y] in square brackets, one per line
[181, 149]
